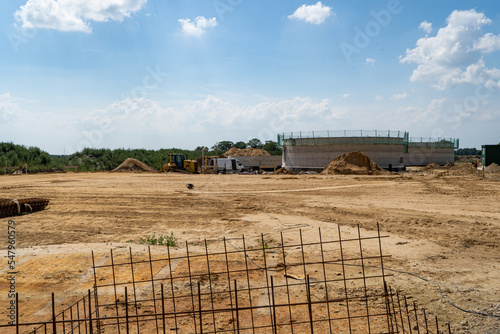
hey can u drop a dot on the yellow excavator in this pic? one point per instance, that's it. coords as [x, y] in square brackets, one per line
[179, 163]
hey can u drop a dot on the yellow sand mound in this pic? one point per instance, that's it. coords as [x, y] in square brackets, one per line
[133, 165]
[356, 163]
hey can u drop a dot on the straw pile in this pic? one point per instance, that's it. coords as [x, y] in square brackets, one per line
[246, 152]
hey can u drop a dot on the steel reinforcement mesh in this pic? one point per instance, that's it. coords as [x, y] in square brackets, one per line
[15, 207]
[243, 285]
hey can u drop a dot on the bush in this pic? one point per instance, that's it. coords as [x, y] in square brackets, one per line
[161, 240]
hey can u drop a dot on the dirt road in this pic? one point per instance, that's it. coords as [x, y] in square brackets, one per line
[444, 229]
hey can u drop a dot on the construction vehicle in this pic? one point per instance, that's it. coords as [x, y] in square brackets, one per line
[179, 163]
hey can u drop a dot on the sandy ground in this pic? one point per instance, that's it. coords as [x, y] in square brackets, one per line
[442, 228]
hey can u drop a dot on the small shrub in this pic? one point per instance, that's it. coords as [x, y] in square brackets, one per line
[161, 240]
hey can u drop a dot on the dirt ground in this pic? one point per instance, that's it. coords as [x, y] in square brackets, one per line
[443, 228]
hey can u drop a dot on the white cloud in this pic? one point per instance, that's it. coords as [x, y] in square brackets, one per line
[370, 61]
[455, 55]
[9, 109]
[379, 98]
[133, 118]
[399, 96]
[198, 26]
[74, 15]
[315, 14]
[346, 95]
[426, 26]
[431, 114]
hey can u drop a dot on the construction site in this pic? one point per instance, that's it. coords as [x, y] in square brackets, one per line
[393, 150]
[352, 248]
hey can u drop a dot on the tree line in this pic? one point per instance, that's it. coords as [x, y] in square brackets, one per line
[92, 159]
[468, 151]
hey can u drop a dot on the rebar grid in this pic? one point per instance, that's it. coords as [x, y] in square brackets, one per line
[240, 285]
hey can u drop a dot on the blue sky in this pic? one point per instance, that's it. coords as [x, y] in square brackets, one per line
[159, 74]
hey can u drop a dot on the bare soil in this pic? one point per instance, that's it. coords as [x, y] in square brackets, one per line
[443, 229]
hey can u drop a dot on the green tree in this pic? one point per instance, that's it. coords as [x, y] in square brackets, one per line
[240, 144]
[200, 149]
[255, 143]
[223, 146]
[272, 147]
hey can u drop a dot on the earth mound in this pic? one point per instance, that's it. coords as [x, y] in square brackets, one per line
[432, 165]
[246, 152]
[493, 168]
[283, 170]
[133, 165]
[353, 163]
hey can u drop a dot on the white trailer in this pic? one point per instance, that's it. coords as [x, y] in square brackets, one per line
[228, 165]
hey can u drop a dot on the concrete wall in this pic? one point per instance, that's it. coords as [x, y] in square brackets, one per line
[422, 156]
[316, 153]
[319, 156]
[255, 161]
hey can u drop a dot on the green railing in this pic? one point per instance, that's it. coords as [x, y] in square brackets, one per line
[336, 137]
[365, 137]
[434, 142]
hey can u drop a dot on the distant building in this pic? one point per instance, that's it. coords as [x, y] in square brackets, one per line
[393, 150]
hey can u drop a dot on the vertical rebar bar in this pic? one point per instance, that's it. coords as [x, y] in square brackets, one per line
[237, 309]
[172, 288]
[191, 285]
[229, 282]
[364, 280]
[302, 252]
[275, 328]
[416, 317]
[401, 313]
[345, 280]
[437, 325]
[90, 313]
[407, 314]
[381, 259]
[199, 308]
[126, 311]
[78, 316]
[286, 282]
[393, 313]
[54, 329]
[71, 318]
[425, 321]
[267, 277]
[248, 284]
[133, 286]
[95, 292]
[309, 304]
[153, 287]
[114, 288]
[210, 286]
[63, 323]
[324, 277]
[163, 309]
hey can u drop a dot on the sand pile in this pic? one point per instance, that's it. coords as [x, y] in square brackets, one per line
[353, 163]
[247, 152]
[432, 165]
[133, 165]
[493, 168]
[283, 170]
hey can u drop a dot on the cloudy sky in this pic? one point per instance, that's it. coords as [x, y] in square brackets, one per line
[185, 73]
